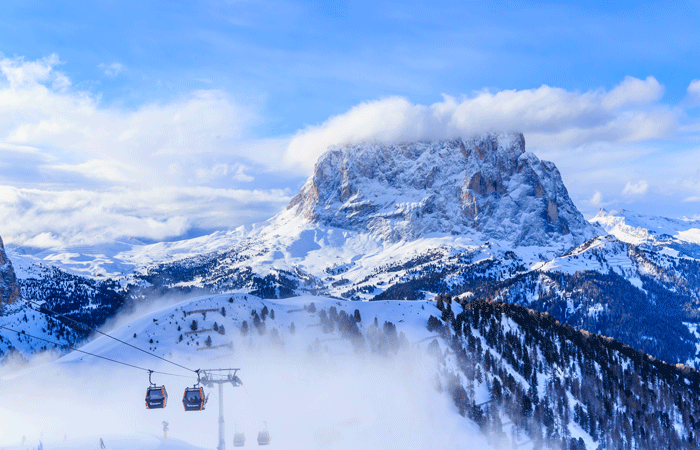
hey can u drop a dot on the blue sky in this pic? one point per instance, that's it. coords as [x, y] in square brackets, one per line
[168, 118]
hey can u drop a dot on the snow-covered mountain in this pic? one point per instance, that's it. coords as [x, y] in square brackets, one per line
[487, 186]
[675, 237]
[9, 290]
[479, 217]
[479, 224]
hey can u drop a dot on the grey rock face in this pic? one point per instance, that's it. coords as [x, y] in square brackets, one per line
[487, 185]
[9, 289]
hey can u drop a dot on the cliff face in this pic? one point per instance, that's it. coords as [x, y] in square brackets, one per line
[9, 289]
[487, 186]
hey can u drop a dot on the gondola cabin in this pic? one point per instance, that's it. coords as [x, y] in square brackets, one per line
[156, 397]
[264, 437]
[238, 439]
[194, 399]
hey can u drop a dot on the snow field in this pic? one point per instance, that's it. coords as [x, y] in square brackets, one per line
[329, 397]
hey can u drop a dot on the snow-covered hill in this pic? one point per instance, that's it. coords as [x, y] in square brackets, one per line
[332, 374]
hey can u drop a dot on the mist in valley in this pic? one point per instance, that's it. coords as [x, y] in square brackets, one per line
[311, 393]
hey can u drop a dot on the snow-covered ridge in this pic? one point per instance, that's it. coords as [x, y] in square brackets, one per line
[638, 229]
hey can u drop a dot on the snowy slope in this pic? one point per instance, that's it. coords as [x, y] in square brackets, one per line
[323, 386]
[602, 254]
[293, 380]
[674, 236]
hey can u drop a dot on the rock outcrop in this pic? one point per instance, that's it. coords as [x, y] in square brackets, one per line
[487, 186]
[9, 289]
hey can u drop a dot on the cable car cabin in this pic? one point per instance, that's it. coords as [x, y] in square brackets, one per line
[264, 437]
[238, 439]
[194, 399]
[156, 397]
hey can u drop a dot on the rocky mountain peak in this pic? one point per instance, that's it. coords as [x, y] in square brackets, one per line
[488, 186]
[9, 289]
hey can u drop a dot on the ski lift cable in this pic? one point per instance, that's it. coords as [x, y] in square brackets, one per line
[252, 402]
[92, 354]
[54, 313]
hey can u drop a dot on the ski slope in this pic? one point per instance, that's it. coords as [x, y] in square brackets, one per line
[313, 389]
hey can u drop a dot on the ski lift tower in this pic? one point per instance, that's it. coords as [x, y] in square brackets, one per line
[210, 378]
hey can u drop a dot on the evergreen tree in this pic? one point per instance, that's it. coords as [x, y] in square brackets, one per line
[357, 316]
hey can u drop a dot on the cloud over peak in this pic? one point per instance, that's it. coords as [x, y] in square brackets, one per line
[549, 116]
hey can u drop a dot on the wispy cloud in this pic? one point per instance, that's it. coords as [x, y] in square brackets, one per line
[73, 169]
[112, 70]
[42, 217]
[638, 188]
[694, 87]
[75, 132]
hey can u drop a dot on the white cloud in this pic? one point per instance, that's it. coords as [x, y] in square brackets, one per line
[43, 217]
[633, 91]
[112, 70]
[694, 88]
[597, 199]
[549, 117]
[639, 188]
[20, 73]
[217, 171]
[84, 137]
[73, 169]
[239, 174]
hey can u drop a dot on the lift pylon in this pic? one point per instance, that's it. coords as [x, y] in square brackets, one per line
[209, 379]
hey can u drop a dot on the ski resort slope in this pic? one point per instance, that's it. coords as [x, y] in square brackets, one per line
[313, 389]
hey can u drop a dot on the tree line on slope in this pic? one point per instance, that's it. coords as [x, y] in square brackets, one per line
[543, 376]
